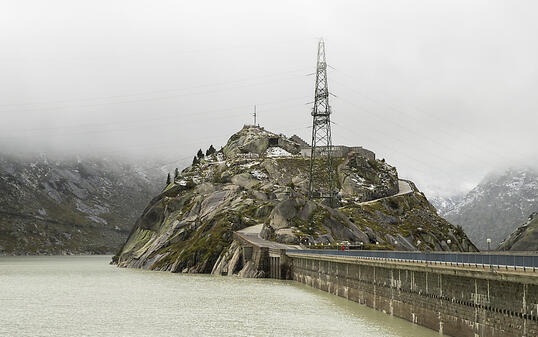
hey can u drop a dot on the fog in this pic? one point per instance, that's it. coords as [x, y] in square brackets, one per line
[444, 90]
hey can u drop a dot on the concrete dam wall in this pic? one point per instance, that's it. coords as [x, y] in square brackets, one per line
[455, 301]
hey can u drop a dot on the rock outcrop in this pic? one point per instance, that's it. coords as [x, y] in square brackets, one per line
[259, 178]
[366, 179]
[524, 238]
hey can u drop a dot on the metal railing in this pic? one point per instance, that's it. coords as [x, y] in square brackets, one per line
[492, 260]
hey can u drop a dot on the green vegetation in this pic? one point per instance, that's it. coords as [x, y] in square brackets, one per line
[204, 244]
[405, 215]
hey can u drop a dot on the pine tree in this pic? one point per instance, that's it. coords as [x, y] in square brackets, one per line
[200, 154]
[176, 173]
[195, 161]
[168, 179]
[210, 151]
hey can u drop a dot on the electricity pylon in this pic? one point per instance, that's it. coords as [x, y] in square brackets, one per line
[321, 134]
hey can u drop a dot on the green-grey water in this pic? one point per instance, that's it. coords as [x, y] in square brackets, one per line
[85, 296]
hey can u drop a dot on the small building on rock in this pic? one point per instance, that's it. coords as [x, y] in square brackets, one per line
[337, 150]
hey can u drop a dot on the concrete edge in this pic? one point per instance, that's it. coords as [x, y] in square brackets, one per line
[486, 273]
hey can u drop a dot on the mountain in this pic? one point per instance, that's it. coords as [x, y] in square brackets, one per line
[260, 180]
[496, 206]
[67, 206]
[524, 238]
[444, 204]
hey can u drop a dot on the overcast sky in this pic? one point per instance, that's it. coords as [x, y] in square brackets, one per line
[444, 90]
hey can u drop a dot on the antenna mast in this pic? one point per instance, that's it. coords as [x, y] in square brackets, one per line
[254, 114]
[321, 135]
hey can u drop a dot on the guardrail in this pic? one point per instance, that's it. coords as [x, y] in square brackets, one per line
[515, 261]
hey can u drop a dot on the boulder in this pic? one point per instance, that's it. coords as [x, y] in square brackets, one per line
[245, 180]
[282, 212]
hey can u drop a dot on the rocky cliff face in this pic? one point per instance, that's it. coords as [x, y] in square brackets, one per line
[524, 238]
[497, 206]
[69, 206]
[258, 178]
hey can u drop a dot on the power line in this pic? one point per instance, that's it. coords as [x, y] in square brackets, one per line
[145, 99]
[300, 70]
[399, 150]
[431, 116]
[410, 131]
[166, 117]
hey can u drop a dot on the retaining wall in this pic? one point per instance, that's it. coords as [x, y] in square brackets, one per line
[454, 301]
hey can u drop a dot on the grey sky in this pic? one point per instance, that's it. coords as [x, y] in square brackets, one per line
[444, 90]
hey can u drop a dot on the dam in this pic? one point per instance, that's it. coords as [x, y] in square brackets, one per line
[456, 300]
[456, 294]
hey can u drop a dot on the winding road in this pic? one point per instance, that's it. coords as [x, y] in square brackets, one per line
[252, 234]
[403, 188]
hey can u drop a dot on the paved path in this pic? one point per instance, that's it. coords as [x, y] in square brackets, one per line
[252, 235]
[403, 188]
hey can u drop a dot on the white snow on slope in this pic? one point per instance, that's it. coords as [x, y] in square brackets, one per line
[277, 152]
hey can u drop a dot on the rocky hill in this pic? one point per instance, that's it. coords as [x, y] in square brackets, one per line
[68, 206]
[524, 238]
[496, 206]
[258, 178]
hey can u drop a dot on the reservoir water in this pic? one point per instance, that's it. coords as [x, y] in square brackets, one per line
[85, 296]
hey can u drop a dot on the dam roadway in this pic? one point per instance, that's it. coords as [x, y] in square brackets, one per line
[456, 294]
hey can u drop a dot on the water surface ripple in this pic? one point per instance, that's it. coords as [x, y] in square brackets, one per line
[85, 296]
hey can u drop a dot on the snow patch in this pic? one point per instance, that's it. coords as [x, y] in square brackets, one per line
[97, 219]
[249, 165]
[95, 210]
[277, 152]
[258, 175]
[358, 180]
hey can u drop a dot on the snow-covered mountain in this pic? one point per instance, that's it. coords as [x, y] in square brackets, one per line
[444, 204]
[495, 207]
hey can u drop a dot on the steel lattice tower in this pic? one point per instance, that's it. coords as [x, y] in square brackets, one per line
[321, 133]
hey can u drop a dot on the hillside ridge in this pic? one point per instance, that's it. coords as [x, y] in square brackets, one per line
[261, 178]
